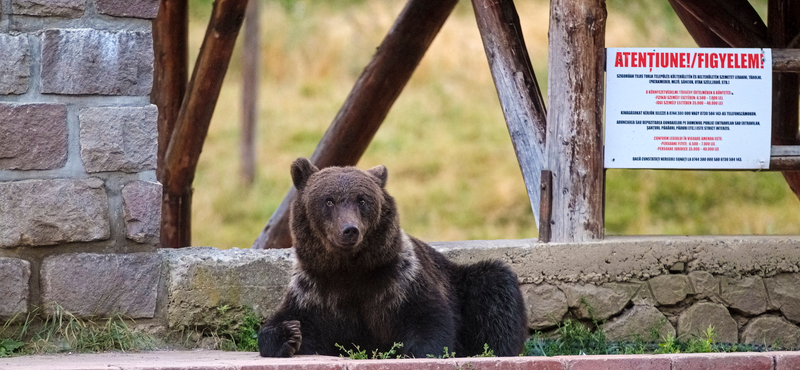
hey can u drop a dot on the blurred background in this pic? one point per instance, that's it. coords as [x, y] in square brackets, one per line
[452, 167]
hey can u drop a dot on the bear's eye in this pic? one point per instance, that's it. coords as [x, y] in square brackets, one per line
[329, 202]
[361, 201]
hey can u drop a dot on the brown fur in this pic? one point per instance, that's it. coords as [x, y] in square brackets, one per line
[361, 280]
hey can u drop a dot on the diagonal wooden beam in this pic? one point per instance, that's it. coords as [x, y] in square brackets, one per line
[734, 21]
[369, 101]
[517, 88]
[191, 126]
[701, 34]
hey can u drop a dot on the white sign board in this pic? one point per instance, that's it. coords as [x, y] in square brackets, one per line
[688, 108]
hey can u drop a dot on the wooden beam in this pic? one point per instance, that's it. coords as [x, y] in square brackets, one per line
[734, 21]
[784, 164]
[170, 75]
[517, 88]
[196, 110]
[786, 60]
[574, 119]
[251, 53]
[701, 34]
[369, 101]
[546, 207]
[784, 24]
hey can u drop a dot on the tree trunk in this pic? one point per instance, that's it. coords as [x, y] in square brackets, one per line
[369, 102]
[517, 88]
[574, 121]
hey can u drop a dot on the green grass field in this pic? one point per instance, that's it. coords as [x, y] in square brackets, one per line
[451, 165]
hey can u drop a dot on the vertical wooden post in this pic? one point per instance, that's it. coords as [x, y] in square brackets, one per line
[546, 208]
[574, 120]
[369, 101]
[251, 53]
[191, 128]
[517, 88]
[784, 25]
[171, 72]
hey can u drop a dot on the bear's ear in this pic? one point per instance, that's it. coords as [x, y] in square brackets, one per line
[302, 169]
[380, 173]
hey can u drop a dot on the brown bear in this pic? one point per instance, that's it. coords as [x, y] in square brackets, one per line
[360, 280]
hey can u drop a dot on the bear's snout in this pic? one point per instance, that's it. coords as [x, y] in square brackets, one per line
[350, 235]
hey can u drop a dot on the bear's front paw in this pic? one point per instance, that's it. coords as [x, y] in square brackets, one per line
[281, 340]
[290, 336]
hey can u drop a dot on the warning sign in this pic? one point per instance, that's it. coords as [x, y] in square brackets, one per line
[688, 108]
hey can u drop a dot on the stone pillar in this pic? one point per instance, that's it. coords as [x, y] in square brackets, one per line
[78, 144]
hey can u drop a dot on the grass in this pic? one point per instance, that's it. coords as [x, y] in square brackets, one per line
[238, 332]
[361, 354]
[61, 331]
[451, 164]
[573, 337]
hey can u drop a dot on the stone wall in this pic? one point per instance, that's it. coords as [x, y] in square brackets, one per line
[79, 202]
[747, 288]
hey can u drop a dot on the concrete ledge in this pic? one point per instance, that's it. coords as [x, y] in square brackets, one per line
[633, 258]
[213, 360]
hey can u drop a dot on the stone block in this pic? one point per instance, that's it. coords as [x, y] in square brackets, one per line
[603, 301]
[119, 138]
[87, 61]
[772, 330]
[49, 8]
[46, 212]
[87, 284]
[486, 363]
[746, 294]
[142, 210]
[546, 305]
[126, 8]
[15, 71]
[704, 284]
[784, 294]
[722, 361]
[34, 136]
[787, 361]
[697, 318]
[15, 274]
[201, 279]
[670, 289]
[640, 322]
[617, 362]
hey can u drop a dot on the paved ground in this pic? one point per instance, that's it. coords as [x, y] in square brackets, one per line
[213, 360]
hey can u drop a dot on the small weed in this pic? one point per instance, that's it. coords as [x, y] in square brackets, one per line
[702, 345]
[445, 354]
[361, 354]
[487, 352]
[238, 330]
[670, 345]
[8, 346]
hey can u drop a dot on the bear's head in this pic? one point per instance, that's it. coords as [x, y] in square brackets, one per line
[343, 216]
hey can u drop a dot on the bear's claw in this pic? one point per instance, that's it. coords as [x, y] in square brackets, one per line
[291, 337]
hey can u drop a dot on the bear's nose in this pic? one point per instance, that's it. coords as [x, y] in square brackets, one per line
[350, 232]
